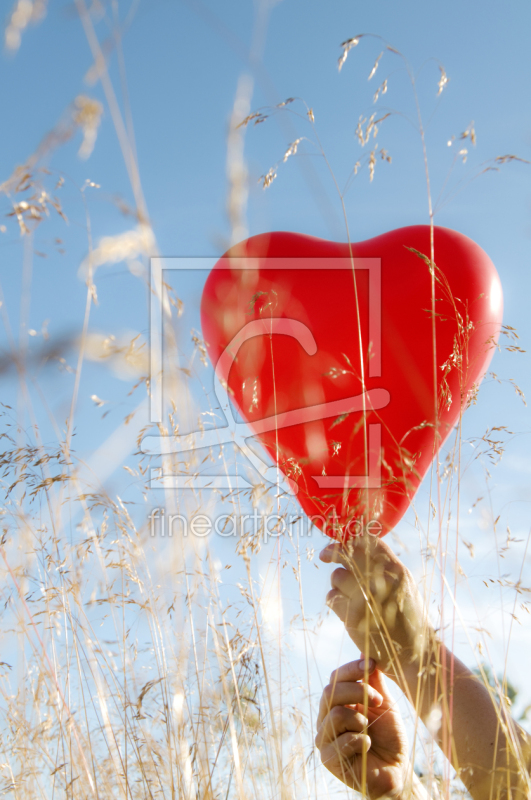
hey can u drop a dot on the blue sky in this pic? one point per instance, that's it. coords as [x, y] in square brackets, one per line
[183, 61]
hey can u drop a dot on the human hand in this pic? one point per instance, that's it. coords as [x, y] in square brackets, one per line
[359, 722]
[376, 598]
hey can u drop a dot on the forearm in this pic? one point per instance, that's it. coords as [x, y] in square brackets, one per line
[487, 748]
[378, 601]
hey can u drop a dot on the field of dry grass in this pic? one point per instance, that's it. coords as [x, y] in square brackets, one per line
[140, 666]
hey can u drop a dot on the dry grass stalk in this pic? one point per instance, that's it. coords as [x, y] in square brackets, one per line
[140, 673]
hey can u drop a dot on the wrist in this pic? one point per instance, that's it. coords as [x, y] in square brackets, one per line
[419, 662]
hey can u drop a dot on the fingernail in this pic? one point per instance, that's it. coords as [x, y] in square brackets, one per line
[367, 664]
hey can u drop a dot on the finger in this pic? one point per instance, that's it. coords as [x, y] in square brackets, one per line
[343, 580]
[341, 719]
[351, 584]
[373, 582]
[355, 552]
[346, 693]
[378, 681]
[362, 621]
[337, 553]
[335, 755]
[355, 571]
[343, 605]
[350, 610]
[354, 671]
[343, 552]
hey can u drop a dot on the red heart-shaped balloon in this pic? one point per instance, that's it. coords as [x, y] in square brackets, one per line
[352, 364]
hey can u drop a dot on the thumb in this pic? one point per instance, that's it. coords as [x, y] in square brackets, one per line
[378, 681]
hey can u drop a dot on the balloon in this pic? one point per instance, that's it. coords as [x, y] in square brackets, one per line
[343, 367]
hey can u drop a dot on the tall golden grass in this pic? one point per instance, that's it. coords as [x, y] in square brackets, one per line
[139, 667]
